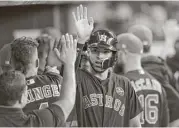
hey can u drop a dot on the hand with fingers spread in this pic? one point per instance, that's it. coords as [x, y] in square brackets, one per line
[66, 51]
[83, 25]
[52, 59]
[171, 29]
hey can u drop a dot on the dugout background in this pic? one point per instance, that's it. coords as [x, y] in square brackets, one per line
[31, 15]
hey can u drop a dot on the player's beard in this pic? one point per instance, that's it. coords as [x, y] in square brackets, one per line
[96, 67]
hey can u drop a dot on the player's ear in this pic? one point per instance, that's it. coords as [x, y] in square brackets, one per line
[12, 62]
[87, 54]
[88, 51]
[24, 96]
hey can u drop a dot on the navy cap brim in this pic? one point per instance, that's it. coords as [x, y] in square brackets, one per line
[99, 45]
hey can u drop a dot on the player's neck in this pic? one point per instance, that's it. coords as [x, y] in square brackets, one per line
[16, 105]
[101, 76]
[146, 54]
[132, 65]
[31, 73]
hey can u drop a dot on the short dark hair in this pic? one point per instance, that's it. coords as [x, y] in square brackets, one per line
[12, 86]
[22, 51]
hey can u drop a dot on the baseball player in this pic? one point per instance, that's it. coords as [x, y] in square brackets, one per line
[43, 89]
[158, 68]
[14, 90]
[103, 99]
[150, 93]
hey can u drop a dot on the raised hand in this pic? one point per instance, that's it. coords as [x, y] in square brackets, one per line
[66, 51]
[171, 29]
[83, 26]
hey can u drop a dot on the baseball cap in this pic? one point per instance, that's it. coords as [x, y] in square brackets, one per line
[129, 42]
[102, 38]
[143, 33]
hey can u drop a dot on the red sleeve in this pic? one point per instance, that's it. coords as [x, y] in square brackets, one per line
[134, 104]
[49, 117]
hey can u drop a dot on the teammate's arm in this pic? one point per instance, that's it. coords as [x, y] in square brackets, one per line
[174, 123]
[135, 122]
[67, 55]
[171, 29]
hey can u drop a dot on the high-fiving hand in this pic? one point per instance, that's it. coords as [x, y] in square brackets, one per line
[171, 29]
[83, 26]
[66, 50]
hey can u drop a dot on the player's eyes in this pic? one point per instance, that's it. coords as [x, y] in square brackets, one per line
[107, 52]
[94, 50]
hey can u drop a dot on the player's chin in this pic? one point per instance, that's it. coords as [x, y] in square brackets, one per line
[98, 69]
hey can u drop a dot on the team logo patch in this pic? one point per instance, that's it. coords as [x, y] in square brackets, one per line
[102, 37]
[30, 81]
[120, 91]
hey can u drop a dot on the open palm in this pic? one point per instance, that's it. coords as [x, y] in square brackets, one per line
[83, 26]
[66, 53]
[171, 29]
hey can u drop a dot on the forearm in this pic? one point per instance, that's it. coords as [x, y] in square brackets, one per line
[68, 91]
[168, 48]
[135, 122]
[174, 123]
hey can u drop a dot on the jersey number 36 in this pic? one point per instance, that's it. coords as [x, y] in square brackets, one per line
[150, 113]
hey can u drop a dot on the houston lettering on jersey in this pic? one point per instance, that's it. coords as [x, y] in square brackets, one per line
[46, 91]
[97, 100]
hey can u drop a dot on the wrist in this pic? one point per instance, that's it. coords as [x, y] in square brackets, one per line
[72, 65]
[169, 42]
[82, 40]
[170, 39]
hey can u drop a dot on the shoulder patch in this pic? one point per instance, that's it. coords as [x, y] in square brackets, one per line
[30, 81]
[120, 91]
